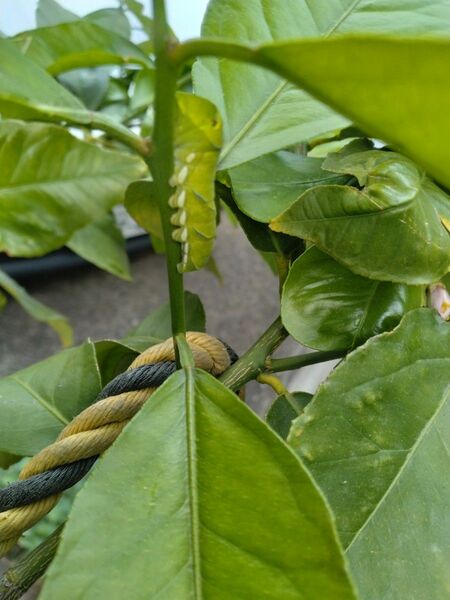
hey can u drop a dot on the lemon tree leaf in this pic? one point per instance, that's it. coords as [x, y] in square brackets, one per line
[376, 439]
[52, 184]
[390, 230]
[261, 111]
[182, 461]
[327, 307]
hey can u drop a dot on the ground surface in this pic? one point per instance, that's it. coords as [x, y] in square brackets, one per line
[102, 306]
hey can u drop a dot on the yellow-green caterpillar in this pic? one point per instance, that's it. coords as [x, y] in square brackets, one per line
[198, 139]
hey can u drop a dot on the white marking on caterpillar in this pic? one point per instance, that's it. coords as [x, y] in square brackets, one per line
[181, 199]
[190, 157]
[182, 217]
[173, 200]
[173, 181]
[179, 218]
[182, 175]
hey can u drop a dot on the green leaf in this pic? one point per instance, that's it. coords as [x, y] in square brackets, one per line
[156, 327]
[89, 85]
[6, 460]
[390, 230]
[144, 90]
[137, 9]
[258, 234]
[28, 92]
[37, 310]
[141, 203]
[194, 463]
[376, 438]
[3, 301]
[113, 20]
[265, 187]
[198, 138]
[101, 243]
[77, 44]
[36, 402]
[327, 307]
[52, 184]
[394, 83]
[261, 111]
[285, 409]
[49, 12]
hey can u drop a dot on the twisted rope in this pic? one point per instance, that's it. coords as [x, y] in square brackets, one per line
[66, 461]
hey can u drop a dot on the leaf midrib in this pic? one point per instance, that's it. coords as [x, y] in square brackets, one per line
[48, 407]
[68, 180]
[262, 109]
[407, 460]
[191, 441]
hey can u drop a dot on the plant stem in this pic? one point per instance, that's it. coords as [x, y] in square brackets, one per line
[275, 365]
[252, 363]
[278, 386]
[203, 47]
[121, 133]
[256, 363]
[21, 576]
[162, 163]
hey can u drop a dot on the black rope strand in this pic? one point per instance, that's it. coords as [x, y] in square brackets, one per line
[55, 481]
[44, 484]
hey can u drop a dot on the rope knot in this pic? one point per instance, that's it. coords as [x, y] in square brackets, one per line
[66, 461]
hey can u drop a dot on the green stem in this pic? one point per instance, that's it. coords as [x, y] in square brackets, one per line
[162, 163]
[275, 365]
[121, 133]
[252, 363]
[203, 47]
[21, 576]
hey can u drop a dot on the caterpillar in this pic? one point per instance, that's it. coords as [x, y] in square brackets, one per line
[198, 139]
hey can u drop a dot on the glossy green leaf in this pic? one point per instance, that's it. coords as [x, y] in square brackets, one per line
[285, 409]
[327, 307]
[178, 485]
[36, 402]
[394, 91]
[49, 12]
[156, 327]
[37, 310]
[390, 230]
[376, 439]
[198, 138]
[267, 186]
[52, 184]
[77, 44]
[101, 243]
[261, 111]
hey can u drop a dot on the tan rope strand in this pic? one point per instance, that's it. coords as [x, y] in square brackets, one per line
[92, 431]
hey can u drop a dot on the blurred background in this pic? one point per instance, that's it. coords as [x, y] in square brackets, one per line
[185, 17]
[239, 306]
